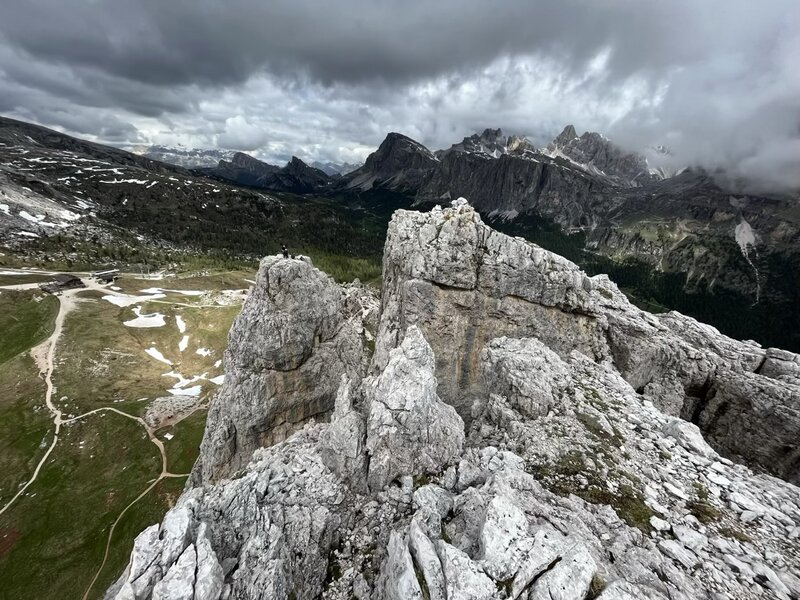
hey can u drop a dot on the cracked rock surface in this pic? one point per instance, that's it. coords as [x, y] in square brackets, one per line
[522, 431]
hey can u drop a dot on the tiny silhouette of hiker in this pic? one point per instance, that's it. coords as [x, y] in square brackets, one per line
[285, 251]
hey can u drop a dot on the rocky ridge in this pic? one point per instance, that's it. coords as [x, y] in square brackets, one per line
[296, 176]
[596, 154]
[492, 142]
[516, 434]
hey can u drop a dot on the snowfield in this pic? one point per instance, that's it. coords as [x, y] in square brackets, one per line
[146, 321]
[124, 300]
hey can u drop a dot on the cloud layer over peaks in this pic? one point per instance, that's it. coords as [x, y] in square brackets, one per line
[716, 81]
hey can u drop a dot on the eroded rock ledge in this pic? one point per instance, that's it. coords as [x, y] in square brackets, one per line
[574, 476]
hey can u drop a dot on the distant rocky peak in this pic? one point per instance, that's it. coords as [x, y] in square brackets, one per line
[492, 142]
[399, 163]
[296, 164]
[242, 159]
[398, 147]
[493, 135]
[596, 154]
[565, 137]
[332, 168]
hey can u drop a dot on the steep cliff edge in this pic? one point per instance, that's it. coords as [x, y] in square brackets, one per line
[517, 434]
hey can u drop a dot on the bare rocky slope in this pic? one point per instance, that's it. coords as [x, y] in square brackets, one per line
[519, 431]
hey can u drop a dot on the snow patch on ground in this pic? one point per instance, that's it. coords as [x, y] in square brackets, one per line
[184, 343]
[155, 290]
[145, 321]
[154, 353]
[115, 180]
[192, 391]
[744, 236]
[218, 380]
[218, 364]
[203, 352]
[126, 300]
[38, 219]
[183, 381]
[4, 208]
[180, 323]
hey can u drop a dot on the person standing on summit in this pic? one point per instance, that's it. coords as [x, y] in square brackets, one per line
[285, 251]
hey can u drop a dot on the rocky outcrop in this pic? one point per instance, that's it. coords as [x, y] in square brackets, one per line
[297, 334]
[513, 185]
[575, 476]
[463, 284]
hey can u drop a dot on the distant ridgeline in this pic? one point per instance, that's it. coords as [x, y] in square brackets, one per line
[671, 241]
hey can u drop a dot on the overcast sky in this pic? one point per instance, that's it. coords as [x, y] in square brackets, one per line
[717, 81]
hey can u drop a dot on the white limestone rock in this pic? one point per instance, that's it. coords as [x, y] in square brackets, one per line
[409, 430]
[504, 541]
[178, 583]
[401, 581]
[424, 553]
[297, 334]
[343, 446]
[463, 577]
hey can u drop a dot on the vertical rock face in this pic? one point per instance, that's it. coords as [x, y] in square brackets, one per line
[297, 334]
[463, 284]
[575, 478]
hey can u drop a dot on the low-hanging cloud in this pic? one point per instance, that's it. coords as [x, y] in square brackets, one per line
[714, 80]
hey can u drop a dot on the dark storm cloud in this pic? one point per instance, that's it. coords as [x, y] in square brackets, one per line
[715, 79]
[222, 42]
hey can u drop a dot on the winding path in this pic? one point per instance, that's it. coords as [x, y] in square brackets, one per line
[44, 355]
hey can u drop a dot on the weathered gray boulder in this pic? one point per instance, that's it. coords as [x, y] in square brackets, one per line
[530, 376]
[409, 430]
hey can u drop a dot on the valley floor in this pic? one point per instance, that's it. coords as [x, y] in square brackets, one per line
[103, 395]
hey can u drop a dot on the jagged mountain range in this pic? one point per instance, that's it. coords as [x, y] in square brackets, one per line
[68, 201]
[496, 425]
[296, 176]
[181, 156]
[742, 246]
[682, 241]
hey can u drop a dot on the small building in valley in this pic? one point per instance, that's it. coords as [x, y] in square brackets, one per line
[61, 282]
[106, 276]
